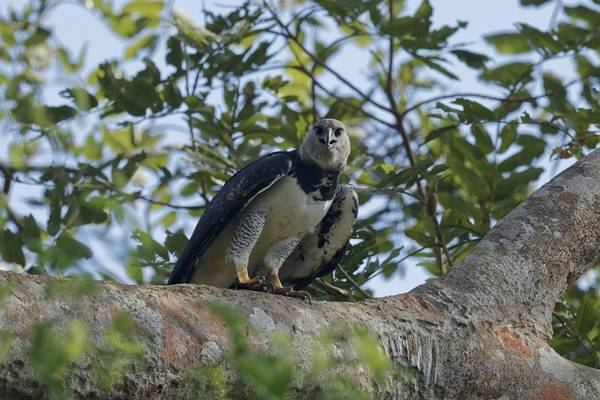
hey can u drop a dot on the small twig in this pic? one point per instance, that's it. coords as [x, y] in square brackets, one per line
[442, 244]
[204, 191]
[313, 93]
[352, 281]
[163, 203]
[398, 262]
[8, 175]
[8, 178]
[466, 228]
[332, 289]
[189, 94]
[555, 12]
[139, 196]
[506, 99]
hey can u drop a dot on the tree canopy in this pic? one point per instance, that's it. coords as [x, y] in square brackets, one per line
[138, 146]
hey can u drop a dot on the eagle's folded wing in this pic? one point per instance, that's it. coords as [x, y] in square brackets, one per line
[233, 197]
[319, 252]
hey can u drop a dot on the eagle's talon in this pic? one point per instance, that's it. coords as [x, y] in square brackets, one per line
[271, 288]
[301, 294]
[290, 292]
[283, 291]
[255, 284]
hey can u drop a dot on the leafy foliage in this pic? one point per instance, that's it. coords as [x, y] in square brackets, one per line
[114, 166]
[273, 375]
[54, 351]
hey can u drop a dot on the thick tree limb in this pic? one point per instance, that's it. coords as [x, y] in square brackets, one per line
[523, 265]
[481, 331]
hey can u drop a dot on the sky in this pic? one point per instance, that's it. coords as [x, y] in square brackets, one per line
[76, 28]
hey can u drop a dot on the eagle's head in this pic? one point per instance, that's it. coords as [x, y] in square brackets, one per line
[327, 144]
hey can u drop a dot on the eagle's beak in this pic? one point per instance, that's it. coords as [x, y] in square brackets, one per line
[329, 139]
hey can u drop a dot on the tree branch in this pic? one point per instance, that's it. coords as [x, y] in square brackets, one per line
[478, 332]
[506, 99]
[525, 263]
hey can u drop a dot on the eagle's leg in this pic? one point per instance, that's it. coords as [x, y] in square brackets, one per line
[274, 259]
[245, 236]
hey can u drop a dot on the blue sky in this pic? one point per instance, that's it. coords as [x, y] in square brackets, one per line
[77, 28]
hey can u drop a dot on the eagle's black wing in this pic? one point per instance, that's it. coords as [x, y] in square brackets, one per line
[233, 197]
[319, 252]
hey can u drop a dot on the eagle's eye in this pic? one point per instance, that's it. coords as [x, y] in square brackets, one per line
[319, 130]
[338, 131]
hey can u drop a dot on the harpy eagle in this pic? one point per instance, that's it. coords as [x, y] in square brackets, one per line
[284, 216]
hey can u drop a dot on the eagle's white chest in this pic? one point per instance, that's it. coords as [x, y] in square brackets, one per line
[290, 211]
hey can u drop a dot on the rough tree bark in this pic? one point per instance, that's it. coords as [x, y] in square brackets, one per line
[481, 331]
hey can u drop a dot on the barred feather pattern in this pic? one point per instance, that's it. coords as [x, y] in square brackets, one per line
[280, 251]
[245, 236]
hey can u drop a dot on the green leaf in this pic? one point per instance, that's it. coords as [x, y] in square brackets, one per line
[523, 158]
[433, 65]
[473, 60]
[74, 288]
[483, 141]
[11, 247]
[174, 52]
[473, 111]
[6, 341]
[52, 353]
[424, 11]
[60, 113]
[171, 94]
[509, 74]
[509, 43]
[508, 136]
[583, 13]
[31, 233]
[91, 211]
[587, 116]
[403, 26]
[175, 242]
[72, 248]
[558, 93]
[83, 99]
[422, 238]
[587, 318]
[436, 133]
[371, 354]
[145, 8]
[534, 2]
[149, 249]
[145, 42]
[119, 349]
[541, 40]
[134, 96]
[516, 181]
[38, 37]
